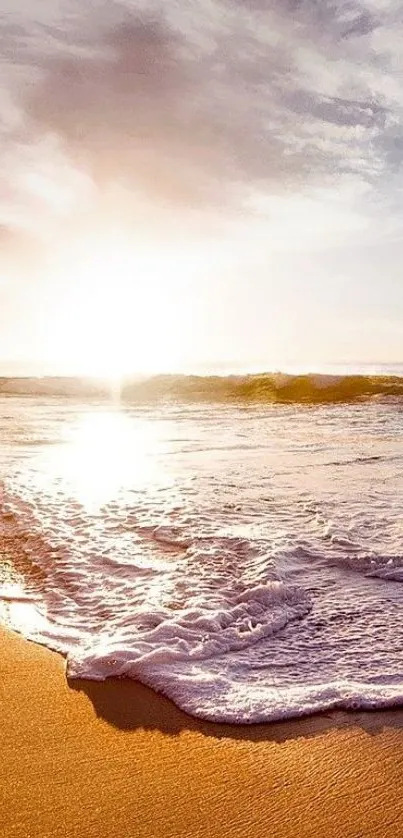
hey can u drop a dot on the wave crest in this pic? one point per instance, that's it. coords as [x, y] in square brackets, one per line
[264, 388]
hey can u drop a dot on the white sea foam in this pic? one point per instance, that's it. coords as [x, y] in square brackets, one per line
[246, 563]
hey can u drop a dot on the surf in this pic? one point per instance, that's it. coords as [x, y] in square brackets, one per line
[246, 563]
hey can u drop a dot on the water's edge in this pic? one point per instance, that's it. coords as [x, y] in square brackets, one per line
[247, 564]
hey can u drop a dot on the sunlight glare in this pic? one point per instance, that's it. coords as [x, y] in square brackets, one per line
[119, 309]
[108, 452]
[20, 611]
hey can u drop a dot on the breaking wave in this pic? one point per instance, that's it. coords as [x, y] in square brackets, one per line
[263, 388]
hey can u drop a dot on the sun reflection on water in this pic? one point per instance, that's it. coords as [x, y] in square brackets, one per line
[106, 452]
[17, 606]
[73, 503]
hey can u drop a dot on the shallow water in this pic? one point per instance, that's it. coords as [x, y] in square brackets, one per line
[245, 561]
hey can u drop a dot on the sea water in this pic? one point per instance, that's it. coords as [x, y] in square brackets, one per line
[246, 561]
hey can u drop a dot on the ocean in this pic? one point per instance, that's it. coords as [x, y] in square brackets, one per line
[244, 559]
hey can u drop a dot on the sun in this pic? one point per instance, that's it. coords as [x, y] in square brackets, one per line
[116, 310]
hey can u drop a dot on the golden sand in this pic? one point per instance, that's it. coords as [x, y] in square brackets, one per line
[115, 760]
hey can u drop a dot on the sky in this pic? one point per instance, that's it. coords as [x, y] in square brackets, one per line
[188, 184]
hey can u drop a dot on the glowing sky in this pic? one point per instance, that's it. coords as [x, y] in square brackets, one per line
[192, 182]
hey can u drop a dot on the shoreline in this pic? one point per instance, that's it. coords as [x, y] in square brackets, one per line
[114, 758]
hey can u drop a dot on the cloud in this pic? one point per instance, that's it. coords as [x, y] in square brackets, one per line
[202, 109]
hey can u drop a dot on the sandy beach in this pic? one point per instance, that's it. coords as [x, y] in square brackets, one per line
[115, 759]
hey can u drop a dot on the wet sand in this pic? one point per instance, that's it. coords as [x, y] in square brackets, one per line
[114, 759]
